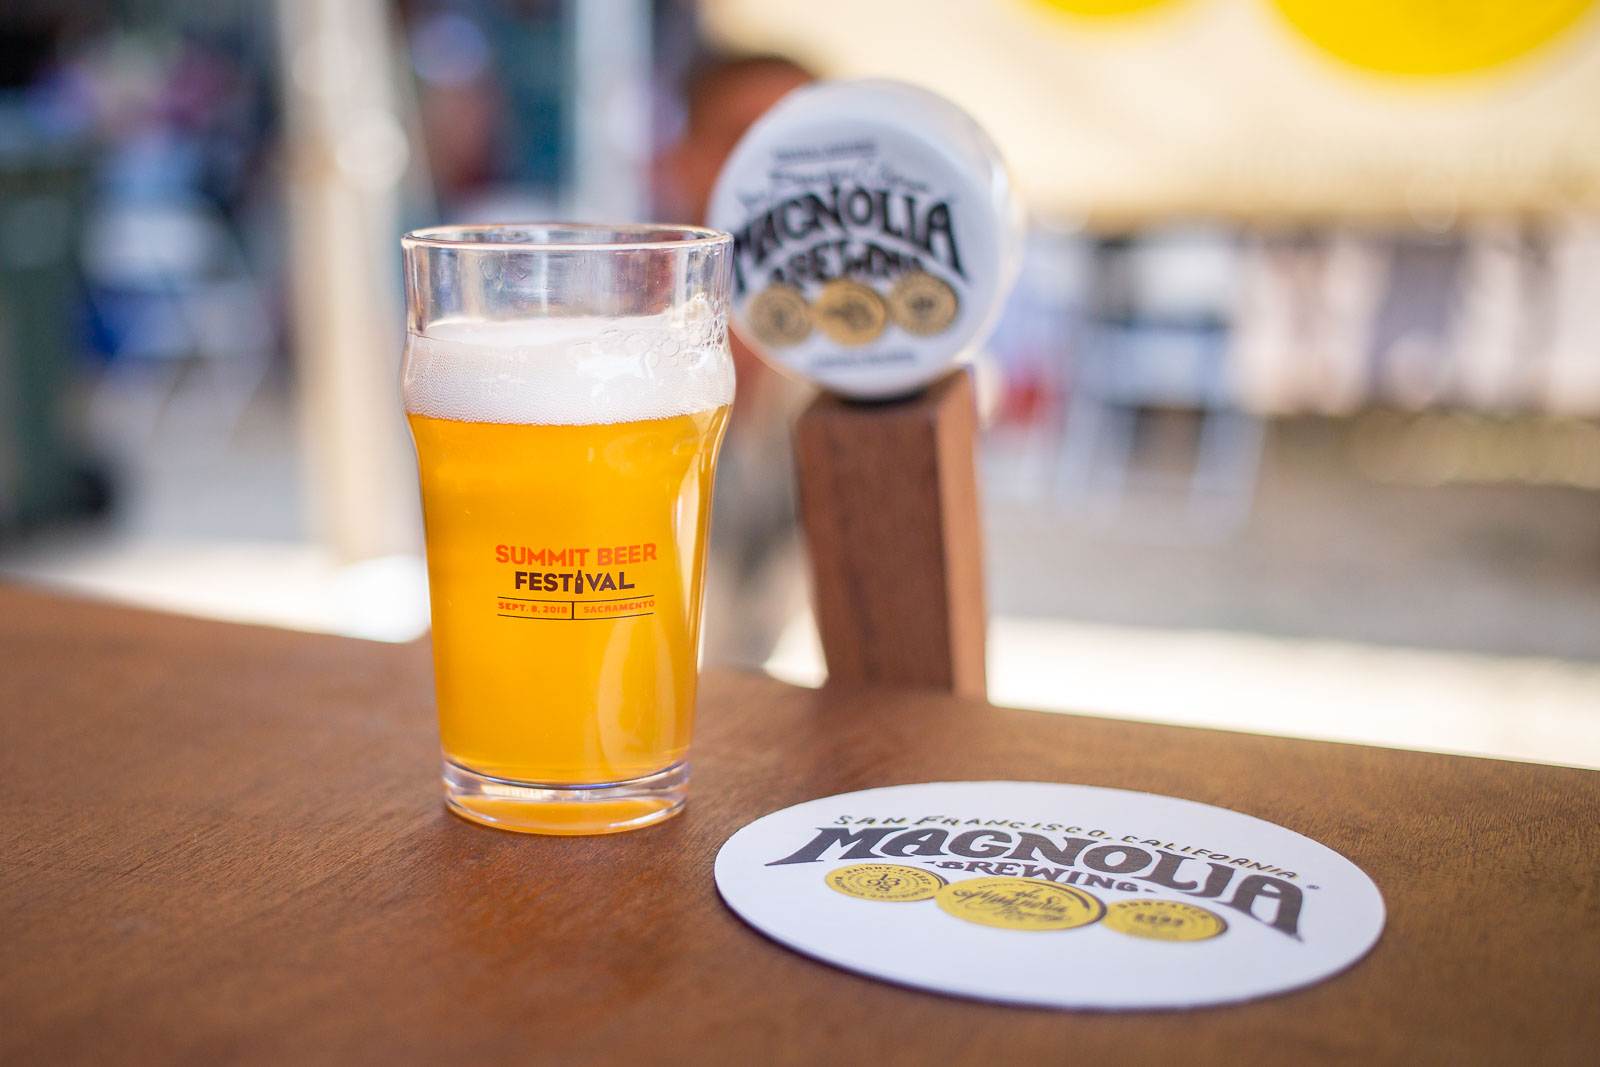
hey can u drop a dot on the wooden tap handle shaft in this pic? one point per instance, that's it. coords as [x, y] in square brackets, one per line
[889, 503]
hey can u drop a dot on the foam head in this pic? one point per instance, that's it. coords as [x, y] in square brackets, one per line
[569, 371]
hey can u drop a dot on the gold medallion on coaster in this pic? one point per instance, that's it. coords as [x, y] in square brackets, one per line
[1020, 904]
[885, 881]
[1164, 920]
[850, 313]
[779, 316]
[923, 305]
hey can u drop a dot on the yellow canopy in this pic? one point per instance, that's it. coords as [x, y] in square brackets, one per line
[1124, 110]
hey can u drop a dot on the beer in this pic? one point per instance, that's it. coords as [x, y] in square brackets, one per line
[565, 565]
[566, 457]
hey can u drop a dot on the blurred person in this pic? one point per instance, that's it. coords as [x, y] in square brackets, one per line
[492, 84]
[755, 580]
[461, 107]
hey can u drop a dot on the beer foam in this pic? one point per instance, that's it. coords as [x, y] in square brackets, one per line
[569, 371]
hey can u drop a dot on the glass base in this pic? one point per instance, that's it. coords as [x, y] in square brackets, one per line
[532, 808]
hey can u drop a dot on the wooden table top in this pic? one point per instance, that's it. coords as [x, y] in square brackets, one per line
[226, 844]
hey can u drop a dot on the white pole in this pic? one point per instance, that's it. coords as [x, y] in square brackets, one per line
[610, 116]
[347, 152]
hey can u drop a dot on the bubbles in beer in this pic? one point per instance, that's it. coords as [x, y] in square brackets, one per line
[569, 371]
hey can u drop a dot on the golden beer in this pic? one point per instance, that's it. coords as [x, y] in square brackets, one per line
[567, 386]
[566, 566]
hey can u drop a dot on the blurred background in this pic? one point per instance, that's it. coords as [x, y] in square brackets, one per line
[1293, 421]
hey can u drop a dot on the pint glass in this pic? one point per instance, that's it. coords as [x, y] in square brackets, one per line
[567, 388]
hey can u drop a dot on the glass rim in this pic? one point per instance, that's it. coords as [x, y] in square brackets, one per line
[652, 236]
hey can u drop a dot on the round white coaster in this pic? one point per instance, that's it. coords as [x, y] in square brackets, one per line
[1065, 896]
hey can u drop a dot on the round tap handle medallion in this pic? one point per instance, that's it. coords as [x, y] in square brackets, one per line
[1039, 893]
[876, 235]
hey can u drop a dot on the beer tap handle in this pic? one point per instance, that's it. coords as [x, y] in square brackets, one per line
[876, 234]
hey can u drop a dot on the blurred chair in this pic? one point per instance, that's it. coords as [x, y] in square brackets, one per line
[1156, 344]
[171, 294]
